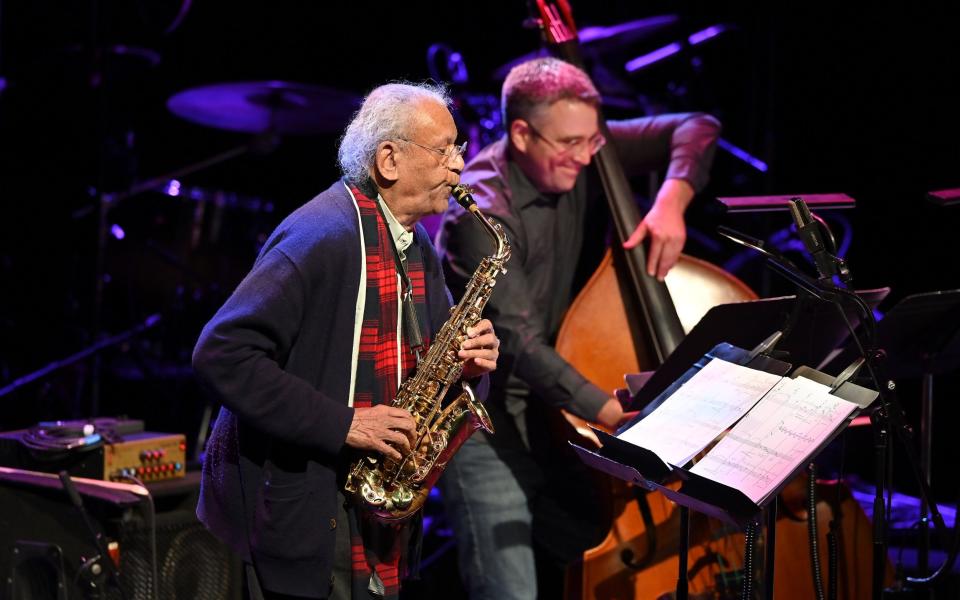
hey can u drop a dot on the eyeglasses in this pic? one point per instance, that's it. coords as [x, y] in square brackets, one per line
[574, 146]
[449, 154]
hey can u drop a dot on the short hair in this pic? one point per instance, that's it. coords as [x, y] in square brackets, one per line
[539, 83]
[387, 113]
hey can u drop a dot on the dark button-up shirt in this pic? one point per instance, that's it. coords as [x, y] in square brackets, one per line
[557, 242]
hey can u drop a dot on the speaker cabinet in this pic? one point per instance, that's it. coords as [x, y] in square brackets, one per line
[46, 552]
[191, 563]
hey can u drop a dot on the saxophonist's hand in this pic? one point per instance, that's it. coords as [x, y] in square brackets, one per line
[382, 428]
[480, 350]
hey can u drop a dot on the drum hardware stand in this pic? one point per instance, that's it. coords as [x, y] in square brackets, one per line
[260, 144]
[150, 322]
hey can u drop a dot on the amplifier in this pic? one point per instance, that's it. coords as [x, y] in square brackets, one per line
[105, 449]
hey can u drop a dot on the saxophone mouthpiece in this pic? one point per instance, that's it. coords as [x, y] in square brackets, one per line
[462, 194]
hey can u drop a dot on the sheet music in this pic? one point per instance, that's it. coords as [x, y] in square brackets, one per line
[782, 430]
[703, 407]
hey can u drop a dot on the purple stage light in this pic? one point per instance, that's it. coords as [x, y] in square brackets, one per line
[631, 30]
[651, 57]
[117, 231]
[706, 34]
[172, 188]
[693, 39]
[743, 155]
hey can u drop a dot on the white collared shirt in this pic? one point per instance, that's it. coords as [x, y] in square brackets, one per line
[401, 237]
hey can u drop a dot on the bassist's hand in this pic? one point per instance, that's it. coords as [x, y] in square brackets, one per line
[611, 414]
[665, 227]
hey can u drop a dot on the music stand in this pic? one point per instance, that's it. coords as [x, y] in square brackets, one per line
[949, 197]
[723, 333]
[747, 324]
[921, 338]
[739, 204]
[635, 464]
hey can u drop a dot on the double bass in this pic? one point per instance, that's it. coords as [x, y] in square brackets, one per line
[625, 321]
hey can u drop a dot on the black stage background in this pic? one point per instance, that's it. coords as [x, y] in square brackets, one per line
[832, 98]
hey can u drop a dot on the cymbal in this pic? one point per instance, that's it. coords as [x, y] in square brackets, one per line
[600, 39]
[278, 107]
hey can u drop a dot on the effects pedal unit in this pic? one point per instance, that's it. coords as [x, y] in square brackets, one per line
[147, 455]
[107, 449]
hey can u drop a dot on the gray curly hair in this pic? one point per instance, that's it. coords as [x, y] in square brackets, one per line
[387, 113]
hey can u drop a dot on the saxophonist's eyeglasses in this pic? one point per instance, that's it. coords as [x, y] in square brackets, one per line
[448, 154]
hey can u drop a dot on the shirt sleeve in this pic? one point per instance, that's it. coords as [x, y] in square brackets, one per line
[683, 144]
[525, 351]
[239, 354]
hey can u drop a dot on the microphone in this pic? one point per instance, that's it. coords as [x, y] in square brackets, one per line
[810, 231]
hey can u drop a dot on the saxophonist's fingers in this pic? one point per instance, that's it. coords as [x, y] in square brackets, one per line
[486, 351]
[402, 423]
[481, 327]
[398, 440]
[475, 367]
[388, 451]
[487, 341]
[485, 364]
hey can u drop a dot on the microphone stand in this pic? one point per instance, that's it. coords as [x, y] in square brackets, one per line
[150, 322]
[889, 415]
[93, 568]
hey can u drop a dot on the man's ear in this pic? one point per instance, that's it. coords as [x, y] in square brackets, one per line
[385, 161]
[520, 134]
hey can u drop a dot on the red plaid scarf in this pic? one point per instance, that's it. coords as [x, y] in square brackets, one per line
[376, 547]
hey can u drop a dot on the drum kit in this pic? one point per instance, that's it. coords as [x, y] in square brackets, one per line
[170, 247]
[190, 225]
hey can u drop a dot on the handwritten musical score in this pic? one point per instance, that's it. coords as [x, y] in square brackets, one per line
[785, 427]
[706, 405]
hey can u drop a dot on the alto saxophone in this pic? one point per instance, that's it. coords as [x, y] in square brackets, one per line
[394, 490]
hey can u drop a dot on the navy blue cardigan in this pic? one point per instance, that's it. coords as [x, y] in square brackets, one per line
[280, 357]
